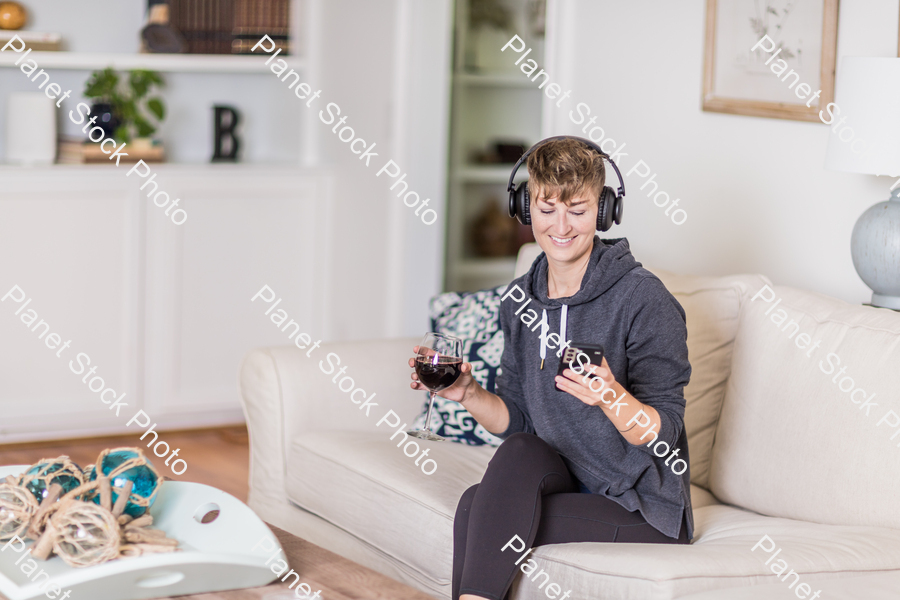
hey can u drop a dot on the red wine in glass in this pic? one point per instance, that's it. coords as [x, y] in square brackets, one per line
[438, 366]
[438, 372]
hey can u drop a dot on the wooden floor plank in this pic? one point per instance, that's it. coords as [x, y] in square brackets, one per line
[217, 457]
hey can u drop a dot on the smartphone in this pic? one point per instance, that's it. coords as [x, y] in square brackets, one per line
[591, 354]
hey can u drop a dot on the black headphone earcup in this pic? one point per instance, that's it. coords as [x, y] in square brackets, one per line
[523, 203]
[606, 209]
[617, 212]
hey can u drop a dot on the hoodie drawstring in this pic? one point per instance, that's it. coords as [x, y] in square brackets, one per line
[545, 326]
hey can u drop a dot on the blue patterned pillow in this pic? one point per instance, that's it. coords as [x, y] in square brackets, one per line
[474, 317]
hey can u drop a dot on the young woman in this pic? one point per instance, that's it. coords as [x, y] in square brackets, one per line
[575, 465]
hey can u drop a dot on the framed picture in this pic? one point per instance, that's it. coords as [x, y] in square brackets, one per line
[770, 58]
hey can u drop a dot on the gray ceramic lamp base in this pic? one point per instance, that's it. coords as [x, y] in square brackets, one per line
[875, 247]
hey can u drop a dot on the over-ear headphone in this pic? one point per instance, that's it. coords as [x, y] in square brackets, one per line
[610, 202]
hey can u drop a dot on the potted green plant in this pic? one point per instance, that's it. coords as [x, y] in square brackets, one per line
[126, 114]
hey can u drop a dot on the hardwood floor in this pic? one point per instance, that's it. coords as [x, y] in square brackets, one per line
[217, 457]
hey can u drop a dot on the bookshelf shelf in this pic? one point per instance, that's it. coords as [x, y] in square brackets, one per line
[489, 174]
[173, 63]
[500, 268]
[514, 80]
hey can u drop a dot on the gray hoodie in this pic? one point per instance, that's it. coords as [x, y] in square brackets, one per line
[627, 310]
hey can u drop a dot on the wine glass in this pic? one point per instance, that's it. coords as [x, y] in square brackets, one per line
[438, 365]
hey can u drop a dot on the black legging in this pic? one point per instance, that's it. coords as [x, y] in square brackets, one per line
[528, 491]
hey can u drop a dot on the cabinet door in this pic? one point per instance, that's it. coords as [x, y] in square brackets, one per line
[68, 239]
[163, 311]
[243, 232]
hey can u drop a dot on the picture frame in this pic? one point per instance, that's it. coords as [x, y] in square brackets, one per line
[735, 78]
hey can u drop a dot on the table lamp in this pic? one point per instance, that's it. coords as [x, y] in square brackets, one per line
[868, 141]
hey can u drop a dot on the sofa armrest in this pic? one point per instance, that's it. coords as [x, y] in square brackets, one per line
[285, 393]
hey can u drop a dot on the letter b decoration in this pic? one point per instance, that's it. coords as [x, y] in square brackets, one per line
[226, 142]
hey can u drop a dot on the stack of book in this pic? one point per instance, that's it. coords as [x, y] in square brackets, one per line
[76, 151]
[149, 151]
[255, 18]
[230, 26]
[69, 150]
[38, 42]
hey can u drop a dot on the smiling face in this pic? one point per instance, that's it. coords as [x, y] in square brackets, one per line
[565, 232]
[565, 177]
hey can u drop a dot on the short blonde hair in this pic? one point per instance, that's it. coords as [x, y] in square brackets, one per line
[565, 169]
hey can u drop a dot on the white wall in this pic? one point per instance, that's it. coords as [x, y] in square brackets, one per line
[420, 119]
[386, 64]
[756, 192]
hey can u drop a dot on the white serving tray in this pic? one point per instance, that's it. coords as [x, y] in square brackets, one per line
[213, 556]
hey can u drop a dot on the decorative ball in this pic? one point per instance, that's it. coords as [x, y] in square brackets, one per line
[129, 464]
[12, 15]
[40, 476]
[16, 509]
[86, 534]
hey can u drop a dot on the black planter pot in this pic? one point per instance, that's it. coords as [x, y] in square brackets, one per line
[106, 118]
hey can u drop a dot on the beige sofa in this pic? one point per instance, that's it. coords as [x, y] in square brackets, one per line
[777, 449]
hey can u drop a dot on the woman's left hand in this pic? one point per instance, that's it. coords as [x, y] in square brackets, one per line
[588, 390]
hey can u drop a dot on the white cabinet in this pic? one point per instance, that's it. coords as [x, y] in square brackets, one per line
[163, 311]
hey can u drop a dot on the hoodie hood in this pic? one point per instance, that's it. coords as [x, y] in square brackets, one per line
[610, 261]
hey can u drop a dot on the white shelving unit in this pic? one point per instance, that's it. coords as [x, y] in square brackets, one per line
[486, 107]
[273, 132]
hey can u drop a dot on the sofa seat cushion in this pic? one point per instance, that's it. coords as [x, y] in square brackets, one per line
[364, 484]
[876, 586]
[719, 557]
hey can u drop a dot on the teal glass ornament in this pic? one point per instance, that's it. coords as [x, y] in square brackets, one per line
[40, 476]
[127, 464]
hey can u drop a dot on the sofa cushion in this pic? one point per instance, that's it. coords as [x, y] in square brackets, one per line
[712, 306]
[473, 317]
[363, 484]
[791, 442]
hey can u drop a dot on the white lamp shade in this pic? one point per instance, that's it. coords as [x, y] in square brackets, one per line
[867, 93]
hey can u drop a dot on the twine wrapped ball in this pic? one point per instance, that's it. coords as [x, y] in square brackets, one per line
[129, 464]
[85, 534]
[16, 509]
[41, 475]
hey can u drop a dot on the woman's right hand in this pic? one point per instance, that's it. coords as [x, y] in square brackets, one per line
[457, 392]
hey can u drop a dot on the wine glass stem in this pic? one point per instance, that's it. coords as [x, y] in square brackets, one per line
[428, 416]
